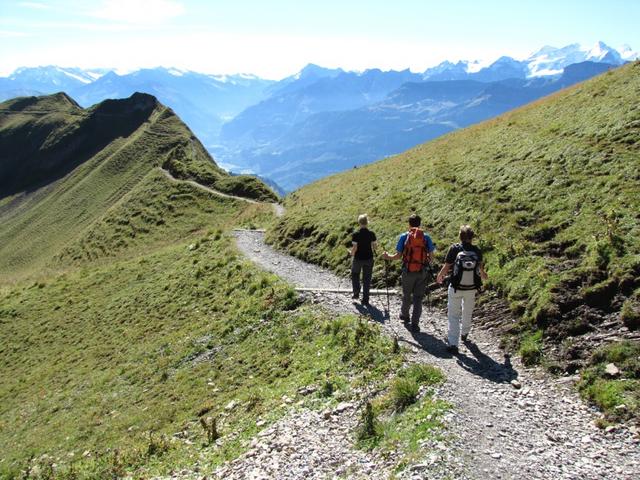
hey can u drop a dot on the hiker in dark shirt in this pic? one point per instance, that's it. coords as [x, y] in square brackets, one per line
[464, 260]
[415, 248]
[363, 246]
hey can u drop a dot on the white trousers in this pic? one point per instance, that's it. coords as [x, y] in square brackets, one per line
[460, 308]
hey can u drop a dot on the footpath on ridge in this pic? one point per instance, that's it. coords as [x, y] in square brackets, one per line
[277, 208]
[507, 421]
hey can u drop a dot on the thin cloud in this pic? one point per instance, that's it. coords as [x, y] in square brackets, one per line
[12, 34]
[35, 5]
[139, 12]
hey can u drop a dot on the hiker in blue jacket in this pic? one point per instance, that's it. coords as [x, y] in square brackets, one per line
[415, 248]
[464, 260]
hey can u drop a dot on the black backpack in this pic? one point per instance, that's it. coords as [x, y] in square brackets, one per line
[466, 270]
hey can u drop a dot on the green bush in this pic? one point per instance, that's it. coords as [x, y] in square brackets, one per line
[630, 314]
[368, 430]
[423, 374]
[618, 397]
[404, 392]
[531, 348]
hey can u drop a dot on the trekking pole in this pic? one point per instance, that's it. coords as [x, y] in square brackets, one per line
[341, 278]
[429, 279]
[386, 284]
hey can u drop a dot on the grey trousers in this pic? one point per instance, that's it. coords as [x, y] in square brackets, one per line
[413, 290]
[366, 266]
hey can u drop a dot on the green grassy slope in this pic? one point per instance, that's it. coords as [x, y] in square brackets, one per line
[128, 319]
[553, 189]
[62, 168]
[117, 354]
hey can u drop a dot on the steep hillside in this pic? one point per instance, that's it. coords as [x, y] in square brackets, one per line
[62, 168]
[553, 190]
[134, 340]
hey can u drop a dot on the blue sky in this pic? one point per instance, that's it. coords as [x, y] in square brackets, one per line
[275, 38]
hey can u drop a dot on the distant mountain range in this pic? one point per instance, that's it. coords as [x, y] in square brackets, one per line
[321, 121]
[307, 130]
[204, 102]
[546, 61]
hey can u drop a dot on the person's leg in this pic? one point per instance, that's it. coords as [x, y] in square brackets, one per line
[418, 294]
[356, 266]
[367, 272]
[407, 289]
[468, 302]
[454, 314]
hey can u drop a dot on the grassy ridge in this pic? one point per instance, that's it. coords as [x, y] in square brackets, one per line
[88, 160]
[153, 214]
[553, 189]
[164, 332]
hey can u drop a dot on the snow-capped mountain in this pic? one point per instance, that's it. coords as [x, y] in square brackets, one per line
[552, 61]
[548, 61]
[628, 54]
[335, 123]
[63, 78]
[448, 71]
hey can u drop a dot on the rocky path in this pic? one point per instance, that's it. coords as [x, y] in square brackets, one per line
[508, 422]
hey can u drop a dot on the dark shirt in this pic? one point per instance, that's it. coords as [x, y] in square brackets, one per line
[364, 238]
[456, 248]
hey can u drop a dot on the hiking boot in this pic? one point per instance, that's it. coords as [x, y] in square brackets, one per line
[415, 328]
[464, 338]
[405, 320]
[452, 349]
[365, 303]
[355, 296]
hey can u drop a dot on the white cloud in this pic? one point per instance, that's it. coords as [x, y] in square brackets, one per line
[35, 5]
[12, 34]
[270, 56]
[139, 11]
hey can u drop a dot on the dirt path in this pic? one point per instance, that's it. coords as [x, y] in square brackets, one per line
[538, 429]
[277, 208]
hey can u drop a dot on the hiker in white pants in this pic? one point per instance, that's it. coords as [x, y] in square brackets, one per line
[464, 261]
[459, 310]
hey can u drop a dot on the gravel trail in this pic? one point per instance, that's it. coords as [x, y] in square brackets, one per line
[507, 421]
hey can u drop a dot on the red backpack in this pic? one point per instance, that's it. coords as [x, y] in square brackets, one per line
[415, 255]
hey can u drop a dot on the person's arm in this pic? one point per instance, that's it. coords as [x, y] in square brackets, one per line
[430, 248]
[354, 248]
[395, 256]
[374, 247]
[399, 249]
[483, 273]
[446, 268]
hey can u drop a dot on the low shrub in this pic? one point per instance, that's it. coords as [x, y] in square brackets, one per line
[423, 374]
[404, 392]
[531, 348]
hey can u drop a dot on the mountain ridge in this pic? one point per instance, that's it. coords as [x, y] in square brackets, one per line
[83, 161]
